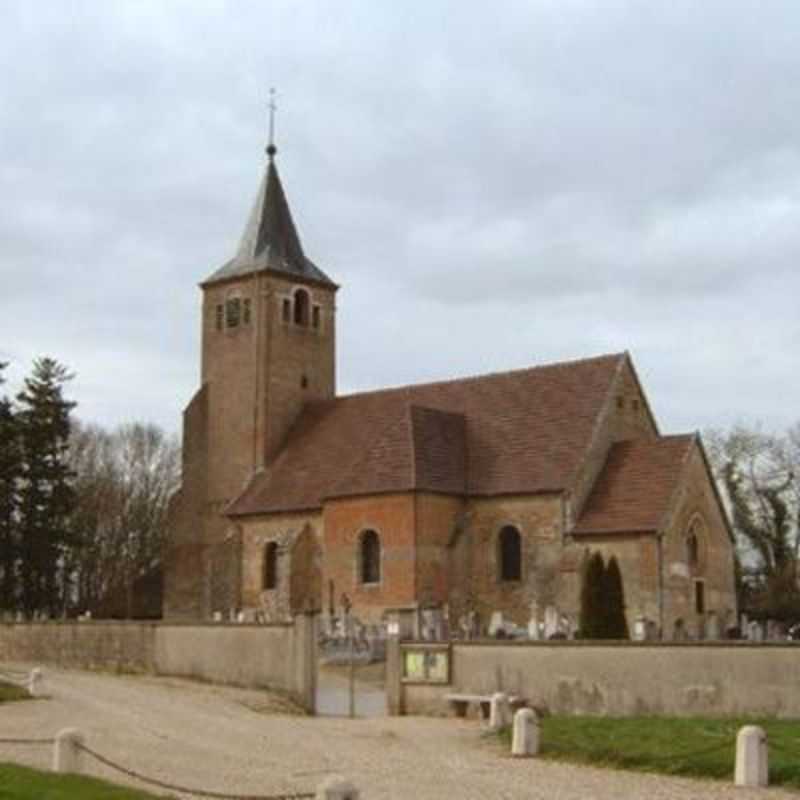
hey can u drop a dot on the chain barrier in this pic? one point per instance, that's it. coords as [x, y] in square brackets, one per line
[13, 676]
[27, 741]
[186, 790]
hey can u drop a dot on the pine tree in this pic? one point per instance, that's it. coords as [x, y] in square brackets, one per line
[46, 497]
[10, 474]
[592, 601]
[616, 626]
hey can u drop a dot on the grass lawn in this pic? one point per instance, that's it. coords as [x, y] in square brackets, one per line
[8, 691]
[21, 783]
[697, 747]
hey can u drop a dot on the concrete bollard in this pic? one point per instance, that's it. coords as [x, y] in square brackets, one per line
[752, 759]
[525, 741]
[35, 682]
[66, 753]
[337, 788]
[499, 712]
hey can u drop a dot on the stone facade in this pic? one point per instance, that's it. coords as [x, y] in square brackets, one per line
[698, 511]
[256, 377]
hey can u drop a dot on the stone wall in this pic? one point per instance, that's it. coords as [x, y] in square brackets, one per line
[256, 377]
[392, 517]
[696, 501]
[538, 519]
[118, 646]
[281, 657]
[437, 517]
[633, 679]
[233, 654]
[298, 536]
[185, 595]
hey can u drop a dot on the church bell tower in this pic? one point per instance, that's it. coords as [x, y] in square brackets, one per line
[268, 348]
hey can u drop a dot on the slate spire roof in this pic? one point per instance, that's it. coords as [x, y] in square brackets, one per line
[270, 240]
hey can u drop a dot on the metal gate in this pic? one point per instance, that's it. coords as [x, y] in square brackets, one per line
[351, 668]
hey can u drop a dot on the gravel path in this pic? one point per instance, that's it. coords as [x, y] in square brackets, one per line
[235, 740]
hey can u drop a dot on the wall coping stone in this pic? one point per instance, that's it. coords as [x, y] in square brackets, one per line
[141, 623]
[732, 643]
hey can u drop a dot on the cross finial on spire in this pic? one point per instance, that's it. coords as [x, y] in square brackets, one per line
[271, 149]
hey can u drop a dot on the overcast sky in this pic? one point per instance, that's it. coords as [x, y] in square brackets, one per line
[494, 185]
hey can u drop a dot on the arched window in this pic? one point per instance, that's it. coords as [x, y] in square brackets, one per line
[370, 557]
[233, 310]
[301, 306]
[271, 566]
[692, 550]
[509, 545]
[695, 537]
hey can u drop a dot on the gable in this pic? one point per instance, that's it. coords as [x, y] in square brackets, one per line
[524, 432]
[625, 415]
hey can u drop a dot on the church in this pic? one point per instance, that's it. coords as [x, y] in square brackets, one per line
[473, 496]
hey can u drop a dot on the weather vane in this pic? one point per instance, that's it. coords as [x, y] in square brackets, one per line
[271, 149]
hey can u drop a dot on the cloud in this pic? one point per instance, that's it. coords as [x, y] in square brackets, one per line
[491, 190]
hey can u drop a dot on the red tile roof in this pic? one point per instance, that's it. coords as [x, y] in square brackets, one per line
[636, 485]
[425, 449]
[518, 432]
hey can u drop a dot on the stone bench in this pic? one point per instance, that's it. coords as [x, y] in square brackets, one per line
[459, 703]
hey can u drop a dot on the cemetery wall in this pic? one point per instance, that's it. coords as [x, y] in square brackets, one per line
[118, 646]
[241, 655]
[280, 656]
[622, 679]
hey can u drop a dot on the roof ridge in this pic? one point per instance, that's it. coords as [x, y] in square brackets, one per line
[646, 442]
[433, 410]
[482, 376]
[412, 435]
[680, 478]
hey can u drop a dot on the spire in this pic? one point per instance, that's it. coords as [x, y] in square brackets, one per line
[271, 149]
[270, 240]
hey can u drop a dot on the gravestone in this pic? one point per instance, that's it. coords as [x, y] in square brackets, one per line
[533, 622]
[432, 625]
[774, 630]
[755, 632]
[496, 623]
[551, 621]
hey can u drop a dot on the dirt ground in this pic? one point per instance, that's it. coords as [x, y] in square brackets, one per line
[251, 742]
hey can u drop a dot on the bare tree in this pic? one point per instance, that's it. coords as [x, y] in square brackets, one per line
[758, 475]
[124, 482]
[149, 474]
[91, 566]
